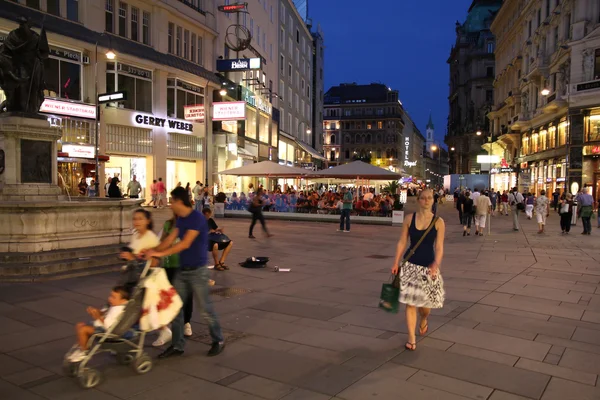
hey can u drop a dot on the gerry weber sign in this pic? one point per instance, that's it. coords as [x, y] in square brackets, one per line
[170, 124]
[238, 64]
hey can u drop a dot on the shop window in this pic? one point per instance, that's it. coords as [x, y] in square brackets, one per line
[562, 134]
[134, 23]
[185, 146]
[76, 131]
[181, 94]
[136, 82]
[251, 123]
[552, 137]
[53, 7]
[594, 128]
[543, 140]
[146, 28]
[109, 16]
[534, 143]
[263, 128]
[63, 79]
[73, 10]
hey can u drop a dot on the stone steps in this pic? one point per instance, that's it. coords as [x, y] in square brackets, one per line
[59, 264]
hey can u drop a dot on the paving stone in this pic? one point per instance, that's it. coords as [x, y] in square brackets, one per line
[332, 379]
[539, 292]
[10, 365]
[9, 391]
[325, 355]
[560, 389]
[483, 354]
[463, 322]
[232, 378]
[451, 385]
[435, 343]
[500, 395]
[591, 316]
[387, 335]
[303, 394]
[520, 313]
[553, 359]
[268, 343]
[258, 326]
[269, 315]
[587, 336]
[360, 330]
[369, 363]
[575, 323]
[30, 375]
[299, 309]
[481, 372]
[572, 344]
[123, 382]
[531, 304]
[69, 389]
[199, 367]
[339, 341]
[582, 361]
[506, 331]
[315, 323]
[558, 350]
[262, 387]
[558, 371]
[491, 341]
[34, 336]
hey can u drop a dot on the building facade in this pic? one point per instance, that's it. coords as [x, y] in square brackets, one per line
[471, 96]
[162, 51]
[364, 122]
[411, 159]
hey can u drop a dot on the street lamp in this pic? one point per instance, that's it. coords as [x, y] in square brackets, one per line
[438, 149]
[545, 92]
[111, 56]
[452, 149]
[478, 133]
[222, 92]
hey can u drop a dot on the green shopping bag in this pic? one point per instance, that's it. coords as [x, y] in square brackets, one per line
[388, 300]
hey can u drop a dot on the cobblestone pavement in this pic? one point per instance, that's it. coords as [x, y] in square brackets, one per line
[521, 321]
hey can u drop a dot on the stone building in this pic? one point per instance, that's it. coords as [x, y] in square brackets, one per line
[546, 99]
[363, 122]
[411, 159]
[471, 94]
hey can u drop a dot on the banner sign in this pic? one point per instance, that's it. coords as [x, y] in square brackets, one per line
[194, 113]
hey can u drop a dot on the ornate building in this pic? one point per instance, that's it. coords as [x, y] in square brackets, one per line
[363, 122]
[471, 94]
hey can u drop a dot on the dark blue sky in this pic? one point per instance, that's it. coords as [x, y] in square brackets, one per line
[401, 43]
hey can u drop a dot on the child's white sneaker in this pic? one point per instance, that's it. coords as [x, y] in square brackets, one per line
[164, 337]
[78, 355]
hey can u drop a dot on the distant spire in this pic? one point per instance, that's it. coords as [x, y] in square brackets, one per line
[430, 123]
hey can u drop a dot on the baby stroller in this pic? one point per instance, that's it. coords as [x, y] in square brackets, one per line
[123, 339]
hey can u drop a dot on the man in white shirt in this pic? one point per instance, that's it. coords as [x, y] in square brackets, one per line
[368, 196]
[484, 207]
[474, 196]
[514, 199]
[134, 188]
[106, 186]
[197, 192]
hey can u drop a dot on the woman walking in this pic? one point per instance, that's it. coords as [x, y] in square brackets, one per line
[256, 208]
[421, 285]
[467, 212]
[542, 210]
[504, 199]
[566, 213]
[529, 203]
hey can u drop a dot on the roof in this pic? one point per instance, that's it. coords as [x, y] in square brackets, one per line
[268, 169]
[12, 11]
[373, 93]
[359, 169]
[430, 123]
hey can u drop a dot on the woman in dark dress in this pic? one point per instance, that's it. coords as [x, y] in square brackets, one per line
[421, 285]
[113, 189]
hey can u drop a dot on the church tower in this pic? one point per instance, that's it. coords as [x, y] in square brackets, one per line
[429, 133]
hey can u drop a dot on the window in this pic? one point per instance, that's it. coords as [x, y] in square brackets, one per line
[53, 7]
[134, 23]
[122, 19]
[308, 91]
[290, 47]
[321, 73]
[597, 64]
[282, 64]
[297, 36]
[252, 26]
[135, 81]
[109, 16]
[63, 79]
[539, 17]
[73, 10]
[271, 14]
[297, 57]
[146, 28]
[547, 8]
[302, 85]
[282, 37]
[297, 79]
[258, 35]
[490, 72]
[529, 27]
[281, 92]
[302, 109]
[271, 51]
[290, 70]
[170, 34]
[178, 41]
[568, 26]
[282, 120]
[193, 47]
[186, 41]
[264, 40]
[489, 96]
[290, 98]
[200, 50]
[33, 4]
[181, 94]
[379, 126]
[332, 139]
[490, 47]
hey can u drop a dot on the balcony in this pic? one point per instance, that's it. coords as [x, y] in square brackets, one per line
[539, 66]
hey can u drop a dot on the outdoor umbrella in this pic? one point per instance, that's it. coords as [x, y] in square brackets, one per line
[268, 169]
[359, 170]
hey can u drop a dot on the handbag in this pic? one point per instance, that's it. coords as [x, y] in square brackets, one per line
[218, 237]
[396, 282]
[389, 298]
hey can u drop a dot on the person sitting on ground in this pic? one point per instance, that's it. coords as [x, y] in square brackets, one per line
[215, 246]
[103, 321]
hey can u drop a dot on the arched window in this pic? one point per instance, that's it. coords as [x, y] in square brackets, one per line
[347, 154]
[332, 139]
[358, 139]
[347, 138]
[368, 138]
[378, 138]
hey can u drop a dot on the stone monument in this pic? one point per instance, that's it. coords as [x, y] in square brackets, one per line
[38, 223]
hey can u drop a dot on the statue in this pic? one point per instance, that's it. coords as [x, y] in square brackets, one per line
[588, 64]
[22, 69]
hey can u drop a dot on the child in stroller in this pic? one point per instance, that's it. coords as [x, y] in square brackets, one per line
[116, 331]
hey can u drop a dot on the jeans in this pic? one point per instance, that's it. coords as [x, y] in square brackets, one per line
[345, 216]
[466, 220]
[188, 304]
[515, 215]
[196, 282]
[257, 216]
[505, 208]
[565, 221]
[460, 216]
[198, 205]
[587, 224]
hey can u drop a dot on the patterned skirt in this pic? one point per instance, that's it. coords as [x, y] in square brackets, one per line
[418, 289]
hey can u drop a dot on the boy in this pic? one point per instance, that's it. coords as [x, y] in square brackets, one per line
[119, 296]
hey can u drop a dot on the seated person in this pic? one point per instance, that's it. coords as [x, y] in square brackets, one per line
[215, 246]
[103, 320]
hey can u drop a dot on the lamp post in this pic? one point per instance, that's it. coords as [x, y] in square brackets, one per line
[439, 150]
[111, 56]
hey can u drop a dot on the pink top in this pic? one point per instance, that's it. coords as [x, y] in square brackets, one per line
[160, 187]
[153, 189]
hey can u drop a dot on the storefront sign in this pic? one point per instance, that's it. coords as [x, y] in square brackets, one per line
[506, 170]
[307, 165]
[482, 159]
[233, 8]
[78, 151]
[407, 162]
[238, 64]
[229, 110]
[128, 69]
[194, 113]
[560, 179]
[256, 102]
[190, 87]
[588, 86]
[59, 107]
[549, 180]
[112, 97]
[591, 150]
[171, 124]
[410, 163]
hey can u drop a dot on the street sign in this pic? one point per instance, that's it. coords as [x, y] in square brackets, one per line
[238, 64]
[233, 8]
[112, 97]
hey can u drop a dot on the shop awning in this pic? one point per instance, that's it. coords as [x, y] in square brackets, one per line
[268, 169]
[311, 151]
[360, 170]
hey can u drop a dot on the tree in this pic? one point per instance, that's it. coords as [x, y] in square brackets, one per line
[392, 187]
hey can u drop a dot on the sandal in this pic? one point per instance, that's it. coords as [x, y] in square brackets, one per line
[219, 267]
[225, 267]
[423, 329]
[410, 346]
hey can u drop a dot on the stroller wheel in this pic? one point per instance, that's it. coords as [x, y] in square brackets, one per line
[70, 368]
[143, 364]
[89, 378]
[125, 358]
